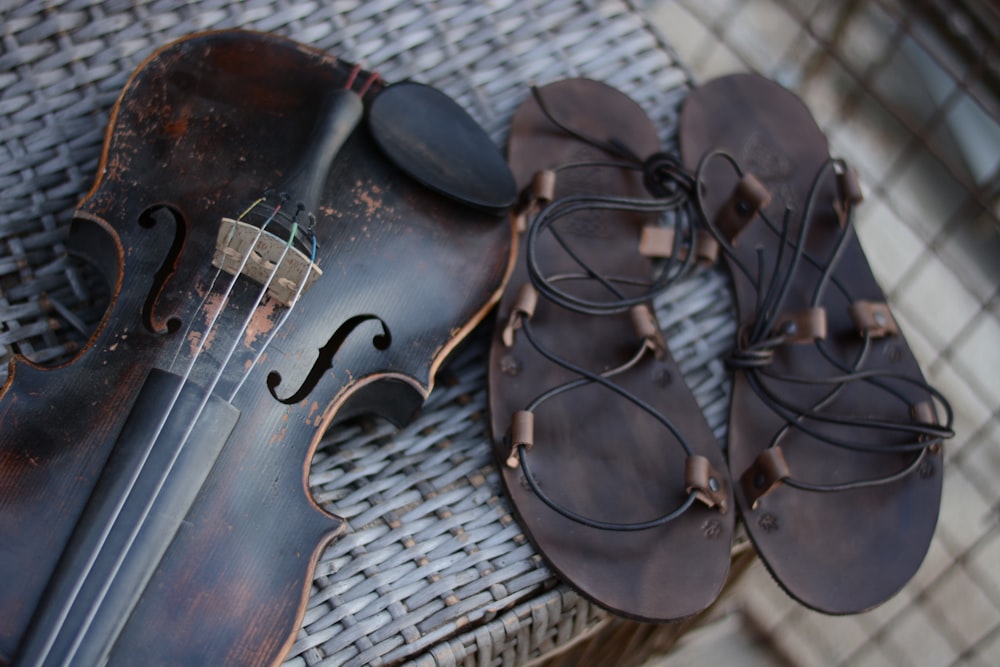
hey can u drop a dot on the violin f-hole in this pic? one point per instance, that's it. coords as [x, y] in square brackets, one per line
[162, 214]
[324, 361]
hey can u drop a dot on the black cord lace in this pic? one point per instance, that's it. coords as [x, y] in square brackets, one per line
[671, 186]
[755, 349]
[618, 302]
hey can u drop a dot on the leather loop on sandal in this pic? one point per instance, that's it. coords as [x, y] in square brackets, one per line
[543, 186]
[924, 413]
[534, 198]
[802, 326]
[849, 186]
[769, 469]
[874, 319]
[708, 484]
[658, 243]
[849, 194]
[748, 197]
[648, 330]
[522, 308]
[521, 434]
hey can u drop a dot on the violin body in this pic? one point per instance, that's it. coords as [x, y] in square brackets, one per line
[154, 503]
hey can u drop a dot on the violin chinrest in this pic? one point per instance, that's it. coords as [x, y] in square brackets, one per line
[430, 137]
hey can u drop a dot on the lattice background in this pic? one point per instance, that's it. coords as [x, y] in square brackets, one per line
[909, 92]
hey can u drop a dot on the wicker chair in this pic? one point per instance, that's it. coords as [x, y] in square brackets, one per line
[433, 570]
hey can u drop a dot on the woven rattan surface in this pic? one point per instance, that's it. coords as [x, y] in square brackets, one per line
[433, 568]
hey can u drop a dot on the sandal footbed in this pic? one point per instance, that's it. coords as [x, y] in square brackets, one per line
[840, 552]
[595, 453]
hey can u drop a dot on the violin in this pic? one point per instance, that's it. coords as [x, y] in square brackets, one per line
[287, 243]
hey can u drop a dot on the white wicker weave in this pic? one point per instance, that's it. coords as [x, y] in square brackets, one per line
[433, 570]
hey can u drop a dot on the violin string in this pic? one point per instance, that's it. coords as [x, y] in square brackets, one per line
[369, 82]
[277, 327]
[215, 277]
[161, 482]
[144, 458]
[172, 404]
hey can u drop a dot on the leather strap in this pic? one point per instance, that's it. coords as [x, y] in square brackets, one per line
[523, 308]
[749, 196]
[767, 471]
[658, 243]
[873, 318]
[538, 194]
[849, 187]
[648, 330]
[543, 186]
[802, 326]
[849, 193]
[520, 434]
[706, 483]
[924, 413]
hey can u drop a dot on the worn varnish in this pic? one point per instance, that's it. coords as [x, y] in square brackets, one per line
[198, 547]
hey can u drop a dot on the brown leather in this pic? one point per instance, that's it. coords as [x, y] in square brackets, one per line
[710, 484]
[520, 434]
[849, 187]
[923, 413]
[543, 186]
[874, 319]
[767, 471]
[595, 453]
[745, 200]
[843, 551]
[647, 329]
[523, 307]
[803, 326]
[658, 242]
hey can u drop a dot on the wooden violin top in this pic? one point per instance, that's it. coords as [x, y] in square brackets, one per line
[161, 474]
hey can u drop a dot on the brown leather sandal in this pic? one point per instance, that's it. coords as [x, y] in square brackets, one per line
[610, 466]
[834, 437]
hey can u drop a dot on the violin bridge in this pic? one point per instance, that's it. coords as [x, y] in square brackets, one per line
[263, 251]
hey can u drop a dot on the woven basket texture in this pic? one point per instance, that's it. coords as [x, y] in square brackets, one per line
[433, 569]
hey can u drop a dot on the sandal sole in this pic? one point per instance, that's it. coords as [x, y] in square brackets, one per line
[846, 551]
[594, 453]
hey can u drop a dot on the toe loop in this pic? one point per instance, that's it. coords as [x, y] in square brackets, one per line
[523, 308]
[520, 434]
[648, 330]
[705, 482]
[748, 198]
[874, 319]
[765, 474]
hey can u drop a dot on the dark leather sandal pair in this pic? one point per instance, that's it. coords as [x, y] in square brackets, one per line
[834, 451]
